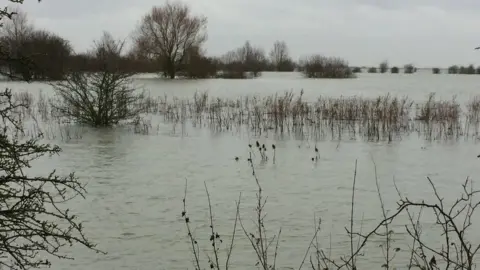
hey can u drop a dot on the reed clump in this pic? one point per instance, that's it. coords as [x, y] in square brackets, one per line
[440, 118]
[473, 116]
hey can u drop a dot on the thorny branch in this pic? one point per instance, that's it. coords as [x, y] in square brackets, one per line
[215, 239]
[32, 223]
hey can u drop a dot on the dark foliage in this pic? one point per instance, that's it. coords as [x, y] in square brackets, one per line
[453, 69]
[372, 70]
[357, 70]
[383, 67]
[48, 54]
[409, 69]
[318, 66]
[246, 61]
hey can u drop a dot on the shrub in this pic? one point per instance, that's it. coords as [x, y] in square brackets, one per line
[242, 62]
[383, 67]
[317, 66]
[436, 71]
[394, 70]
[357, 70]
[99, 99]
[409, 69]
[372, 70]
[453, 69]
[470, 70]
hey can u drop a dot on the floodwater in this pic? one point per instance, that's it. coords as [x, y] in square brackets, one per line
[136, 183]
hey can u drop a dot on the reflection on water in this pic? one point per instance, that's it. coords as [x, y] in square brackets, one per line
[136, 182]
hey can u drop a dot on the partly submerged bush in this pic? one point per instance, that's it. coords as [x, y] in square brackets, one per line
[409, 69]
[97, 99]
[357, 70]
[317, 66]
[103, 98]
[383, 67]
[453, 69]
[372, 70]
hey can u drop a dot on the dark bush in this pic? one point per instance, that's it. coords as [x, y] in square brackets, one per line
[436, 70]
[48, 56]
[383, 67]
[241, 62]
[470, 70]
[453, 69]
[394, 70]
[318, 66]
[197, 66]
[409, 69]
[372, 70]
[357, 70]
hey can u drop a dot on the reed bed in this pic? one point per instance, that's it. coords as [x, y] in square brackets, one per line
[374, 119]
[384, 118]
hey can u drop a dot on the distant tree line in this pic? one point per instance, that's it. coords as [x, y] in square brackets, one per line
[168, 40]
[463, 70]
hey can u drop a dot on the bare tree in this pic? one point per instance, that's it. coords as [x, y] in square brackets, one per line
[18, 27]
[48, 54]
[13, 33]
[253, 57]
[107, 52]
[245, 59]
[167, 33]
[279, 57]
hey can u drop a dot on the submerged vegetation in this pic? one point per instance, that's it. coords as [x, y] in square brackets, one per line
[96, 90]
[318, 66]
[468, 70]
[384, 118]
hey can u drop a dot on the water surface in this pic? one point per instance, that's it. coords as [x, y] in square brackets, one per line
[136, 182]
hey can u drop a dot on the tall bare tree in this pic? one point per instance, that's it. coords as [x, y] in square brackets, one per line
[13, 32]
[280, 58]
[168, 32]
[107, 51]
[18, 27]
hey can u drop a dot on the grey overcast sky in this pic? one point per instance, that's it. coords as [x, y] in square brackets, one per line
[365, 32]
